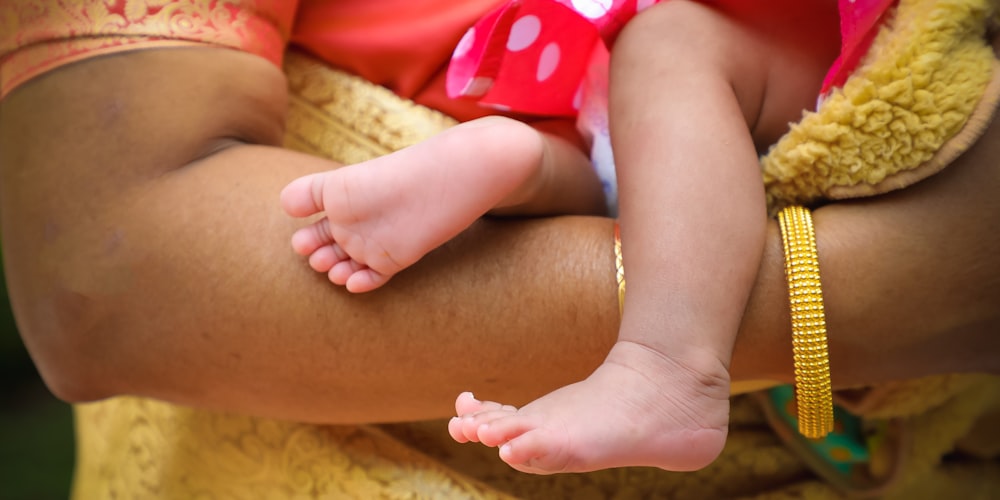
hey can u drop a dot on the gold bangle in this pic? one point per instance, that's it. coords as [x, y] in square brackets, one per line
[619, 270]
[813, 391]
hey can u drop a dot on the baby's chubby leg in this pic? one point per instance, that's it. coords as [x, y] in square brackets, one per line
[693, 222]
[382, 215]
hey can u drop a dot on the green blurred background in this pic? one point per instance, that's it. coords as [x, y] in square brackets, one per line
[36, 429]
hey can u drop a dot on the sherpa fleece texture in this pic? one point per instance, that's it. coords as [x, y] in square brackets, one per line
[925, 91]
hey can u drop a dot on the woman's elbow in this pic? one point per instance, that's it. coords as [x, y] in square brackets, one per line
[70, 337]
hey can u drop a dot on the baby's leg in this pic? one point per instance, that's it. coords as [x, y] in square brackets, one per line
[693, 223]
[383, 215]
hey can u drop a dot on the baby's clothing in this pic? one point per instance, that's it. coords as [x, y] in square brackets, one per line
[549, 57]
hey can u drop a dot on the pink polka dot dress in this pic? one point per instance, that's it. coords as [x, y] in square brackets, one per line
[532, 56]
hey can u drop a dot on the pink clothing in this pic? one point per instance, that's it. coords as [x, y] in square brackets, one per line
[531, 56]
[859, 22]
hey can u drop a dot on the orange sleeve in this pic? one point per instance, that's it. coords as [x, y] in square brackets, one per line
[403, 45]
[39, 35]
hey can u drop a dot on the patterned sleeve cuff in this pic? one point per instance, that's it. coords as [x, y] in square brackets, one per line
[40, 35]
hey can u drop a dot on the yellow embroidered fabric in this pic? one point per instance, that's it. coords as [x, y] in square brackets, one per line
[39, 35]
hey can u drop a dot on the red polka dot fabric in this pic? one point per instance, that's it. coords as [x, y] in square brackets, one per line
[531, 56]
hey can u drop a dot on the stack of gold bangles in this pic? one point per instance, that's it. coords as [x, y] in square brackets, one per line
[813, 390]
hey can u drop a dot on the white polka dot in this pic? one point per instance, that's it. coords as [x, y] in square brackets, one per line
[465, 43]
[477, 86]
[523, 33]
[642, 5]
[548, 62]
[592, 9]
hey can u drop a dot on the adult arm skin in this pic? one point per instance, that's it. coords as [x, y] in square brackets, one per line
[146, 254]
[911, 279]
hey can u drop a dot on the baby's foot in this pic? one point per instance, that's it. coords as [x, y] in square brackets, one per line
[639, 408]
[383, 215]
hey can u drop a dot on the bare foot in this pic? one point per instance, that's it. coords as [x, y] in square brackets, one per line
[383, 215]
[639, 408]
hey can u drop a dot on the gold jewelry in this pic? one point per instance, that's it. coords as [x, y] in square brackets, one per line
[619, 270]
[813, 391]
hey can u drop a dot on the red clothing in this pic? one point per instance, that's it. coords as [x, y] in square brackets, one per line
[531, 56]
[404, 45]
[401, 44]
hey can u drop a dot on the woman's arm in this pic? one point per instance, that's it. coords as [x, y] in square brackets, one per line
[911, 279]
[146, 254]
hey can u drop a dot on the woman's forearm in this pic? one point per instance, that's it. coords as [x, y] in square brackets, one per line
[916, 280]
[911, 280]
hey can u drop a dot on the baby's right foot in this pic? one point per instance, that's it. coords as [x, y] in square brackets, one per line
[383, 215]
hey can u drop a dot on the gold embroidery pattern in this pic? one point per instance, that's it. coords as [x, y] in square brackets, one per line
[39, 35]
[347, 119]
[138, 448]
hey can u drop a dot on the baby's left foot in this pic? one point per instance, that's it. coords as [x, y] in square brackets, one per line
[639, 408]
